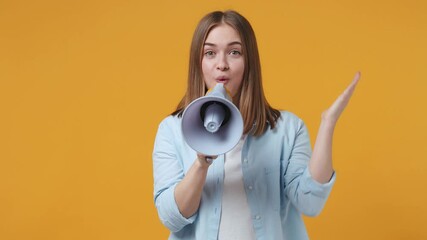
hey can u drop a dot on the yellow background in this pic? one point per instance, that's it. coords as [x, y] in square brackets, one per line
[84, 85]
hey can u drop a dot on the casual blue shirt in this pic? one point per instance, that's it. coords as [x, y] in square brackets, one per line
[278, 184]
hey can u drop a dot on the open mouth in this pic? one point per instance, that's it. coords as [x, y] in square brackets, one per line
[222, 80]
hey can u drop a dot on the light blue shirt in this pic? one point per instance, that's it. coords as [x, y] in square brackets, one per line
[278, 184]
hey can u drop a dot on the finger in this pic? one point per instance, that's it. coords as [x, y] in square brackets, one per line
[202, 156]
[350, 89]
[356, 77]
[343, 99]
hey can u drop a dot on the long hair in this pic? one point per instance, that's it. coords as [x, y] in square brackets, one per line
[256, 112]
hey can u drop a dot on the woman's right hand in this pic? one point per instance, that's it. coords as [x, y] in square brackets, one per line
[205, 160]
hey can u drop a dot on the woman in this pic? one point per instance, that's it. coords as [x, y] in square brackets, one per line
[259, 189]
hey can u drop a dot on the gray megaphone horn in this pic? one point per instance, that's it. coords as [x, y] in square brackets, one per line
[212, 125]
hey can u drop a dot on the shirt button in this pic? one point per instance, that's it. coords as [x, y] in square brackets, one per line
[250, 187]
[245, 160]
[257, 217]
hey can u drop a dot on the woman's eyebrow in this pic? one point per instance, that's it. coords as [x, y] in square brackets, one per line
[235, 43]
[231, 43]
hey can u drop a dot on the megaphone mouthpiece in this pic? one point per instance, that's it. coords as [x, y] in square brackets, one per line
[213, 117]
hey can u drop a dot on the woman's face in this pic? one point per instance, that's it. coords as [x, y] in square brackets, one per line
[223, 60]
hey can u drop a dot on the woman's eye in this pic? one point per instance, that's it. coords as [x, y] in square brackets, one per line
[209, 53]
[235, 52]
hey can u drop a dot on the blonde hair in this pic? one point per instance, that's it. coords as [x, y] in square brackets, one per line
[256, 112]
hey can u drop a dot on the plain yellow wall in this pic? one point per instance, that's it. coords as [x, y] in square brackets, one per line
[84, 85]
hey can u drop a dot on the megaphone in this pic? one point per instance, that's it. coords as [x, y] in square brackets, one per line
[212, 124]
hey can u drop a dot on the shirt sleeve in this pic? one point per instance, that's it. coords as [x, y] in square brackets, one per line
[168, 172]
[306, 194]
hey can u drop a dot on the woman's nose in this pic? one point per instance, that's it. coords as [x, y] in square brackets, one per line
[222, 63]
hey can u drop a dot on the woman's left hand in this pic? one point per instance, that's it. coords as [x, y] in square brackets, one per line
[321, 160]
[333, 113]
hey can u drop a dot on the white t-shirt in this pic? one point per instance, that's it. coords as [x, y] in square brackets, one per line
[236, 221]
